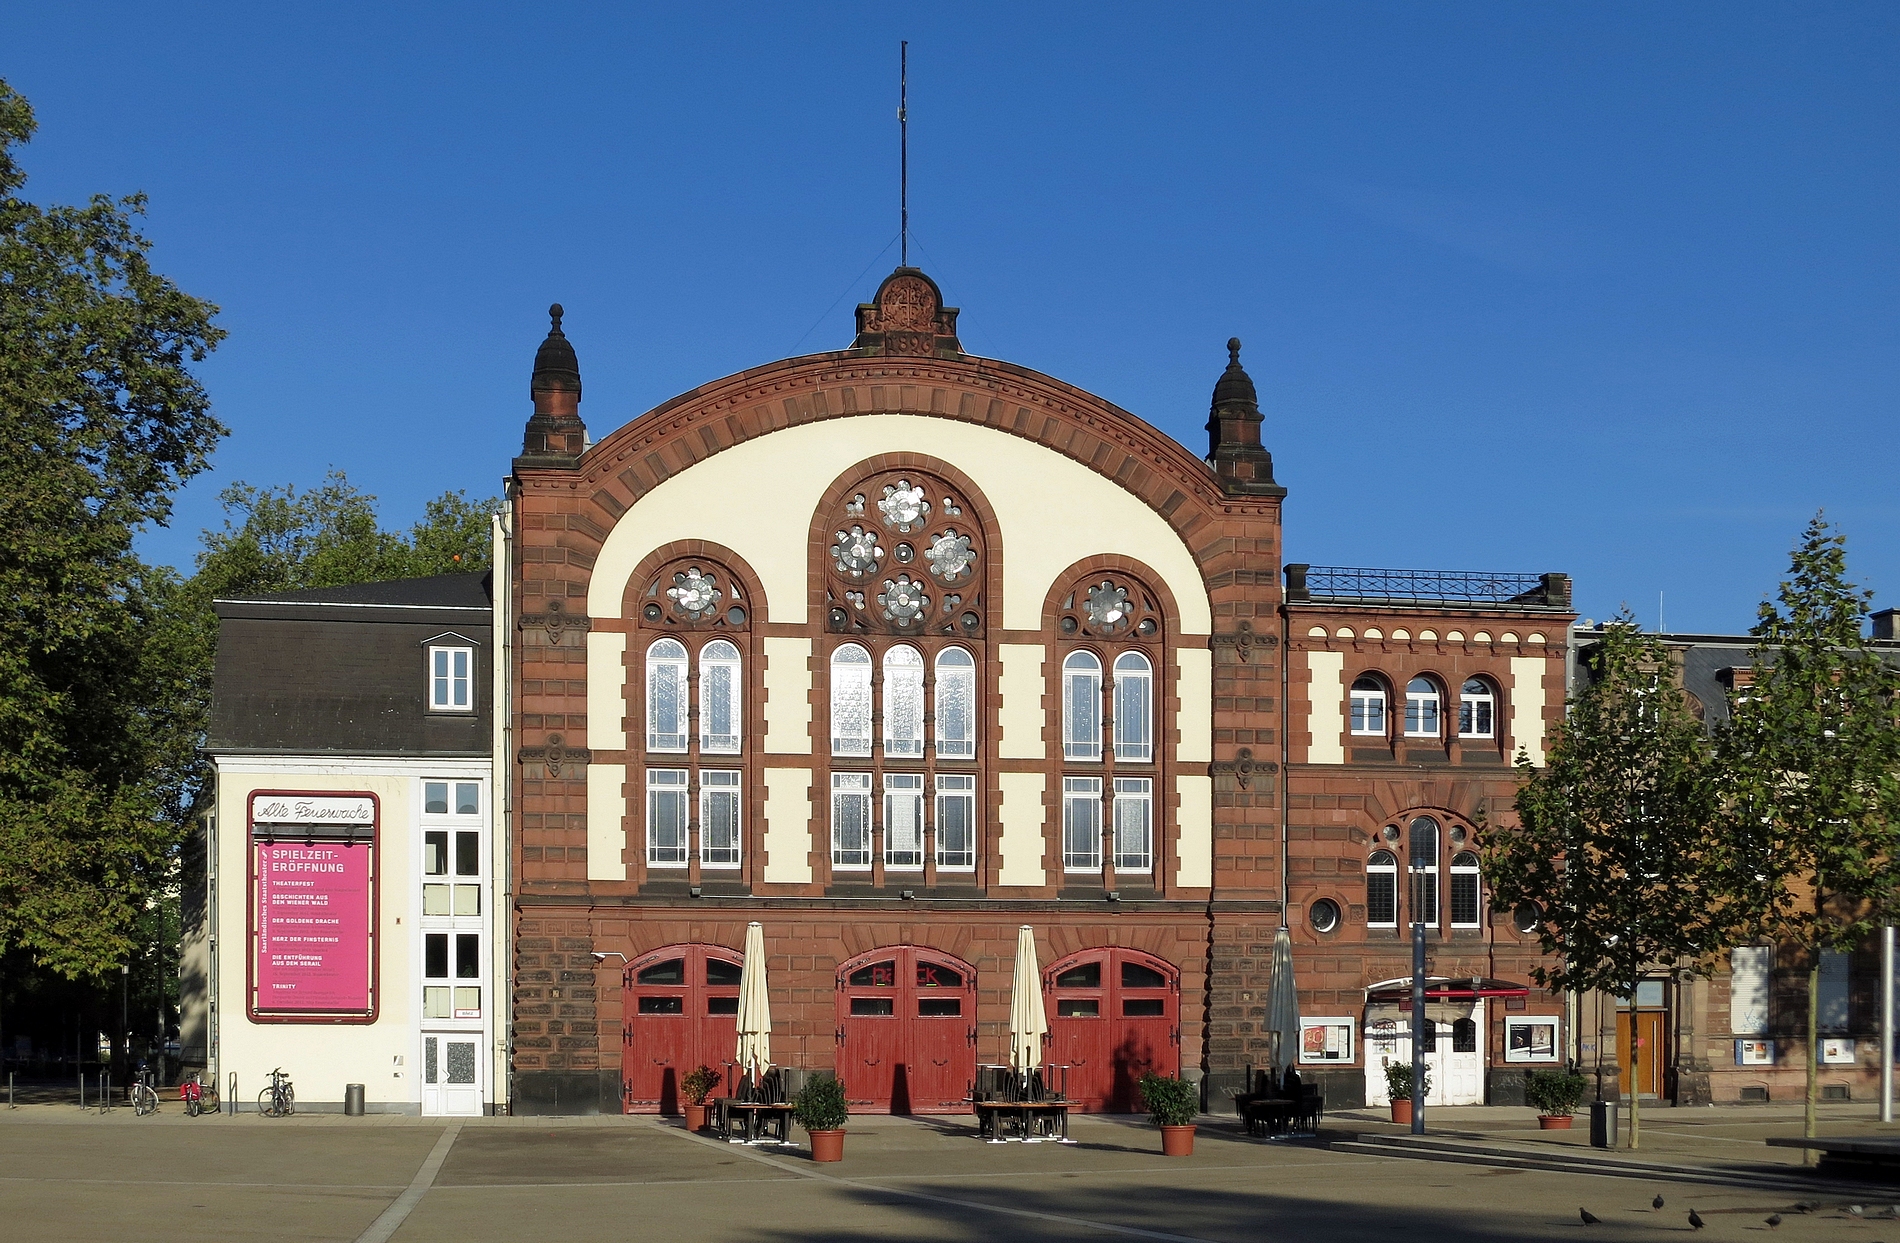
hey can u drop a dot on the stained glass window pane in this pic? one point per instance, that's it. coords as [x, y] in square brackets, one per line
[1081, 824]
[956, 704]
[904, 820]
[1134, 804]
[719, 715]
[903, 701]
[719, 817]
[666, 816]
[666, 696]
[1081, 707]
[851, 820]
[851, 701]
[1134, 708]
[956, 822]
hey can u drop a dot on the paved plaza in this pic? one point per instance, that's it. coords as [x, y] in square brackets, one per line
[69, 1175]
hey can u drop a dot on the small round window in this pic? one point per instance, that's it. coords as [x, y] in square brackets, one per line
[1528, 917]
[1323, 915]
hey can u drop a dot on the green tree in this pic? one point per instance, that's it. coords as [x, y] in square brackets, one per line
[104, 421]
[1615, 829]
[1811, 774]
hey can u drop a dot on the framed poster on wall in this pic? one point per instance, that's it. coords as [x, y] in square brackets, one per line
[1325, 1040]
[1532, 1039]
[1838, 1051]
[1754, 1053]
[313, 906]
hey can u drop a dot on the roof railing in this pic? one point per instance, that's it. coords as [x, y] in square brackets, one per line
[1347, 584]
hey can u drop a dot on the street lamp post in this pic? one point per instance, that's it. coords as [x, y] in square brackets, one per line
[1418, 1003]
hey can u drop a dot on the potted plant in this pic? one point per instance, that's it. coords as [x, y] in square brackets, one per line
[1556, 1093]
[820, 1109]
[697, 1085]
[1398, 1086]
[1173, 1104]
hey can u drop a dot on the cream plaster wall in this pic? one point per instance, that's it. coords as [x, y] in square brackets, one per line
[1527, 706]
[1196, 851]
[606, 699]
[1020, 816]
[606, 814]
[788, 826]
[788, 696]
[1326, 714]
[767, 490]
[1195, 720]
[1020, 713]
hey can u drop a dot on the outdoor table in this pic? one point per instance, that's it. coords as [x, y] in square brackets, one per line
[748, 1121]
[1273, 1116]
[1032, 1121]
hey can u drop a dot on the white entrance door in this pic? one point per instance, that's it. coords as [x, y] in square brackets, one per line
[1456, 1073]
[451, 1075]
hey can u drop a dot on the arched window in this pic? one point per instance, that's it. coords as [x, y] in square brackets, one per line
[1134, 709]
[1423, 832]
[956, 705]
[1465, 906]
[1368, 706]
[666, 696]
[1082, 707]
[1382, 890]
[1477, 710]
[719, 717]
[851, 701]
[903, 702]
[1421, 708]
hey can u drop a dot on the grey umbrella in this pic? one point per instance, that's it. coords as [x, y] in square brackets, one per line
[1283, 1005]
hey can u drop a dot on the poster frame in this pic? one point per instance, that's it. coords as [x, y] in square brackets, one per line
[273, 833]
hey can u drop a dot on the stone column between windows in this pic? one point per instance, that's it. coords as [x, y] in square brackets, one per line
[693, 758]
[879, 756]
[929, 808]
[1107, 740]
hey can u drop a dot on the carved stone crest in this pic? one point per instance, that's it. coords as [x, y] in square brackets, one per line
[556, 755]
[1243, 640]
[1244, 766]
[556, 620]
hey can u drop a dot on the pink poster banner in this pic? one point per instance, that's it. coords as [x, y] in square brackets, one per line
[313, 927]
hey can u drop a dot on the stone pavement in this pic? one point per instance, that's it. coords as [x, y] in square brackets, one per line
[71, 1176]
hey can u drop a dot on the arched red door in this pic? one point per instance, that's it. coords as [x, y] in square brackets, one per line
[1114, 1015]
[680, 1009]
[907, 1031]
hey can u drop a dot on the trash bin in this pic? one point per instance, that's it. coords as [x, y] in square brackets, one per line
[353, 1100]
[1603, 1124]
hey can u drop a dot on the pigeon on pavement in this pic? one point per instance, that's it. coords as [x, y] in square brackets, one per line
[1695, 1219]
[1773, 1220]
[1589, 1218]
[1657, 1203]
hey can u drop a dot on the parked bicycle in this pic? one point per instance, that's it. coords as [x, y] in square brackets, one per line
[278, 1100]
[199, 1096]
[143, 1095]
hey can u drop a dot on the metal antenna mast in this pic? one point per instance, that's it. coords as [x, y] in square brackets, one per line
[903, 150]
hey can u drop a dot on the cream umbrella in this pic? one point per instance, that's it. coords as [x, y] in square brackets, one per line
[1027, 1023]
[1283, 1006]
[755, 1006]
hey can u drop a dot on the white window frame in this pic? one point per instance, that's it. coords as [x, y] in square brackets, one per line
[851, 789]
[721, 657]
[1462, 874]
[903, 798]
[903, 702]
[1362, 704]
[1134, 822]
[439, 995]
[1134, 709]
[1420, 704]
[448, 690]
[1082, 688]
[668, 786]
[850, 684]
[951, 671]
[721, 785]
[1475, 705]
[1389, 874]
[1082, 844]
[956, 788]
[662, 664]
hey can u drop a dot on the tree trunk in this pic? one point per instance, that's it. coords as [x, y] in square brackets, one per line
[1814, 1053]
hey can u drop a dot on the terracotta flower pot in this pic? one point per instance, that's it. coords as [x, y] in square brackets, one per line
[1402, 1111]
[827, 1145]
[1553, 1122]
[1177, 1141]
[695, 1117]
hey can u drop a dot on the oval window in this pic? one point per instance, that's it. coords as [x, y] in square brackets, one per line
[1323, 915]
[1528, 917]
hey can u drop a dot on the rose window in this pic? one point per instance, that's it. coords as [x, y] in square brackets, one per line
[949, 555]
[856, 552]
[903, 505]
[903, 600]
[694, 593]
[1106, 606]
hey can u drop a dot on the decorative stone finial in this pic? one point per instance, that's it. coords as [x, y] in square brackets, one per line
[555, 436]
[907, 317]
[1233, 432]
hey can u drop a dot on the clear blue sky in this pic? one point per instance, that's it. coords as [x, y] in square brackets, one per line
[1608, 289]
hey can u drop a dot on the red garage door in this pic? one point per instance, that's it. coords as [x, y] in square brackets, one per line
[1114, 1015]
[907, 1031]
[681, 1009]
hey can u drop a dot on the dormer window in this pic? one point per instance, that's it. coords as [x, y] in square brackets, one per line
[451, 678]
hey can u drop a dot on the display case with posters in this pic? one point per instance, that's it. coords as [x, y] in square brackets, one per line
[1530, 1039]
[1754, 1052]
[1325, 1040]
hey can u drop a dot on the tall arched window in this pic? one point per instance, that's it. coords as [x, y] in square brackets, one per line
[1382, 890]
[1368, 706]
[719, 716]
[1421, 708]
[1134, 709]
[1477, 709]
[956, 704]
[1082, 707]
[1423, 832]
[851, 701]
[1465, 907]
[903, 702]
[666, 696]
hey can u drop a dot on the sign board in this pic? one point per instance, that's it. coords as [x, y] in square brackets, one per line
[313, 907]
[1531, 1039]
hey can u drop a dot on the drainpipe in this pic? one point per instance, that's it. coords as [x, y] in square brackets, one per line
[501, 846]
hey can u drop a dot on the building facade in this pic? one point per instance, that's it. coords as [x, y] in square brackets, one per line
[897, 649]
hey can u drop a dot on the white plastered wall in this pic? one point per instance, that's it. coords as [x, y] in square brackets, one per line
[788, 696]
[1196, 868]
[1020, 714]
[606, 827]
[788, 826]
[1527, 706]
[1021, 817]
[606, 702]
[1326, 711]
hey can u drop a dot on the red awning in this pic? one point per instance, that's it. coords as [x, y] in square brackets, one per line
[1437, 988]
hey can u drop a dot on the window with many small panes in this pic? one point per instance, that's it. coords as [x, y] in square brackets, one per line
[454, 875]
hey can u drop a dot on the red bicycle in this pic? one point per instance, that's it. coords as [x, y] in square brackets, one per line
[198, 1096]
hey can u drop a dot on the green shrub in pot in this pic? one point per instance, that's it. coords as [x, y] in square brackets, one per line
[1170, 1101]
[1555, 1093]
[820, 1105]
[1398, 1081]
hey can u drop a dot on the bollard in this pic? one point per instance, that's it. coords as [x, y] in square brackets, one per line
[1603, 1124]
[352, 1100]
[230, 1098]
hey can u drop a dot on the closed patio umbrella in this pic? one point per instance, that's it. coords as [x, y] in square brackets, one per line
[755, 1005]
[1027, 1023]
[1283, 1005]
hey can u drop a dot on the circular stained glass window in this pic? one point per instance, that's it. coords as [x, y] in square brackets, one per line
[1323, 915]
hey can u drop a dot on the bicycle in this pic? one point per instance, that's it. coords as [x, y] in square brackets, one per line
[143, 1096]
[279, 1099]
[199, 1097]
